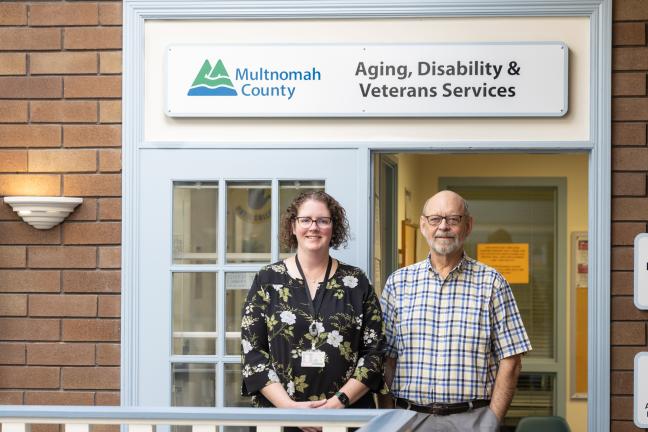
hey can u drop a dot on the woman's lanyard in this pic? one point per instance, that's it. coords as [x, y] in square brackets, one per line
[313, 357]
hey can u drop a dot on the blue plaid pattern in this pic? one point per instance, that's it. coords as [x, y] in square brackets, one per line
[449, 335]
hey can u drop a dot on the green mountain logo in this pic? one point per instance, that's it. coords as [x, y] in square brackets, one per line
[212, 81]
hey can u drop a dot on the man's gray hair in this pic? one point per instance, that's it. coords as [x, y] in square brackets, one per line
[465, 204]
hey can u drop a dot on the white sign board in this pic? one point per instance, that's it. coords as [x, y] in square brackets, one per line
[641, 390]
[641, 271]
[433, 80]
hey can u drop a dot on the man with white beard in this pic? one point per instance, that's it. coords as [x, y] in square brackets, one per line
[454, 333]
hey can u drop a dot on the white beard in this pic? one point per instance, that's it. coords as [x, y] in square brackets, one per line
[446, 249]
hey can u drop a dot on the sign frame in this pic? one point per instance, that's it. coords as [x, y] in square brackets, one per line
[638, 422]
[640, 258]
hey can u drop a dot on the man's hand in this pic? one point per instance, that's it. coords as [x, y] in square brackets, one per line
[505, 384]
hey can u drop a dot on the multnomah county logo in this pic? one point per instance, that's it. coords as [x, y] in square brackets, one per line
[212, 81]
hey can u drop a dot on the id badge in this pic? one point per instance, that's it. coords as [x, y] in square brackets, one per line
[313, 358]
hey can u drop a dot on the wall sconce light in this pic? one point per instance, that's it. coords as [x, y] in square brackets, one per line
[43, 212]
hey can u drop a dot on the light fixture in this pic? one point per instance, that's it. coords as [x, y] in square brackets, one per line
[43, 212]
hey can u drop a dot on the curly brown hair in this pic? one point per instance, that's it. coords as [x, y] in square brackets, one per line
[340, 236]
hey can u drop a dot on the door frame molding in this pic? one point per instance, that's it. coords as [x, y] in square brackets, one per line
[599, 12]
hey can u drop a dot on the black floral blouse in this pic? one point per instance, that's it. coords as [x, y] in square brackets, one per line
[275, 331]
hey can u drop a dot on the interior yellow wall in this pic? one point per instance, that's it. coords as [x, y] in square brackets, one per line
[420, 173]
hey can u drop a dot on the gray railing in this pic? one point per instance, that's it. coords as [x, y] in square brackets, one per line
[142, 419]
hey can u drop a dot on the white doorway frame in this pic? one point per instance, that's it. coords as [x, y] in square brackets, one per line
[599, 12]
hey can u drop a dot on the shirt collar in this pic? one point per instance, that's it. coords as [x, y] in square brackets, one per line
[460, 265]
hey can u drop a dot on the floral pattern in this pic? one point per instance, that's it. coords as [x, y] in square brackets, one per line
[275, 332]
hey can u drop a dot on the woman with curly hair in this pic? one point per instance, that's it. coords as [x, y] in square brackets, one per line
[311, 329]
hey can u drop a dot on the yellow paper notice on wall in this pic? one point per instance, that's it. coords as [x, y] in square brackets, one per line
[510, 259]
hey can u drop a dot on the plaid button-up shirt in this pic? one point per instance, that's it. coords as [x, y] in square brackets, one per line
[449, 335]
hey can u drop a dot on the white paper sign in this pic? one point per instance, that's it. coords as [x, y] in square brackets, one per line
[641, 390]
[434, 80]
[641, 271]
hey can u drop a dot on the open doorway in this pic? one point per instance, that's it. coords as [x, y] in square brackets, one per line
[533, 206]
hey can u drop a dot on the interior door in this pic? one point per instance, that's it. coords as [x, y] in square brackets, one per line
[209, 219]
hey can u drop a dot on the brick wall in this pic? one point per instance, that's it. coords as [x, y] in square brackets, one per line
[60, 134]
[629, 199]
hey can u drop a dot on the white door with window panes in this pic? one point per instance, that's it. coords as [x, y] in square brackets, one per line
[209, 219]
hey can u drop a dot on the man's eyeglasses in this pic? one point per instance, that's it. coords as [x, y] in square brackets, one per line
[321, 222]
[451, 220]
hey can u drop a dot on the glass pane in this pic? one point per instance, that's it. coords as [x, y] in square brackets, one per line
[288, 190]
[534, 397]
[195, 211]
[193, 384]
[236, 289]
[233, 396]
[248, 222]
[194, 313]
[525, 215]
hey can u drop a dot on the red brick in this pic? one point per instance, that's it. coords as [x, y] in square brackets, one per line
[29, 184]
[12, 111]
[629, 84]
[63, 14]
[13, 161]
[623, 308]
[46, 305]
[109, 160]
[110, 13]
[108, 354]
[30, 39]
[107, 399]
[70, 62]
[61, 257]
[622, 283]
[12, 353]
[59, 398]
[29, 377]
[86, 211]
[11, 397]
[629, 184]
[630, 108]
[629, 59]
[622, 258]
[92, 38]
[30, 136]
[110, 209]
[91, 281]
[630, 159]
[629, 208]
[13, 63]
[110, 111]
[29, 329]
[45, 428]
[624, 426]
[628, 34]
[63, 111]
[29, 280]
[13, 14]
[109, 306]
[624, 233]
[7, 213]
[62, 160]
[91, 330]
[633, 134]
[21, 233]
[12, 257]
[13, 305]
[110, 257]
[628, 333]
[110, 62]
[621, 383]
[621, 408]
[30, 87]
[92, 233]
[90, 378]
[92, 136]
[630, 10]
[92, 87]
[92, 185]
[61, 354]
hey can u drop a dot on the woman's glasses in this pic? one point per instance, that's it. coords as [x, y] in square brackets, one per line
[321, 222]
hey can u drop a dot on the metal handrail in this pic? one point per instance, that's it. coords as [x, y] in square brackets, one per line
[270, 419]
